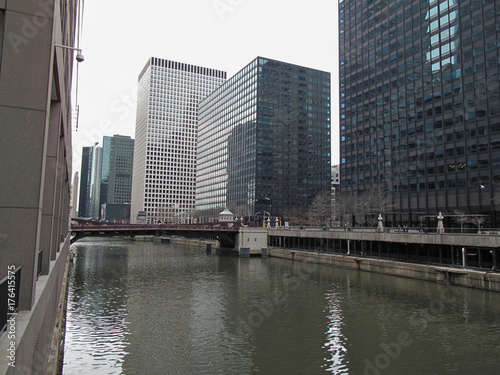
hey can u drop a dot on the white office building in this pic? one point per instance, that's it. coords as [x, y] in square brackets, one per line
[164, 172]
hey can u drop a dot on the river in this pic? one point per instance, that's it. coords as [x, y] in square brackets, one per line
[152, 308]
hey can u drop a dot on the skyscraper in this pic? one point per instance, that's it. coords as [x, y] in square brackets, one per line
[419, 105]
[117, 162]
[264, 141]
[90, 182]
[74, 195]
[116, 177]
[164, 173]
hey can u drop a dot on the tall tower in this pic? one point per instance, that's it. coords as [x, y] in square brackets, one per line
[90, 182]
[419, 105]
[74, 195]
[117, 165]
[164, 172]
[264, 141]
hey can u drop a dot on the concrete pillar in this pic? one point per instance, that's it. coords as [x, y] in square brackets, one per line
[244, 252]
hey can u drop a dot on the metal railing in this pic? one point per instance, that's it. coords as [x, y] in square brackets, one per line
[411, 230]
[9, 295]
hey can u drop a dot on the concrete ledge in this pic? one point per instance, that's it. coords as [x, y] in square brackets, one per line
[34, 328]
[460, 277]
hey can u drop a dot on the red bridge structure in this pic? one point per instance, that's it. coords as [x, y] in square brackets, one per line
[225, 232]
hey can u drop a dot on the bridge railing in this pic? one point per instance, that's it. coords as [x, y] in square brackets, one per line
[88, 225]
[411, 230]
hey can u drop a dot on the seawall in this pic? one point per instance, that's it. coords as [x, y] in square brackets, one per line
[453, 276]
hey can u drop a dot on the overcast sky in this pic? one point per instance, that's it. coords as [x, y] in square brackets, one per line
[118, 37]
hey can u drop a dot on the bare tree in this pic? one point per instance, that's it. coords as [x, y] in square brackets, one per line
[346, 205]
[461, 218]
[240, 211]
[477, 220]
[376, 201]
[365, 206]
[320, 210]
[295, 215]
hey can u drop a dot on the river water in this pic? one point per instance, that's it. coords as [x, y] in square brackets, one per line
[151, 308]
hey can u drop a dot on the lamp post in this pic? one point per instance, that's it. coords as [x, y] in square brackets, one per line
[440, 226]
[380, 227]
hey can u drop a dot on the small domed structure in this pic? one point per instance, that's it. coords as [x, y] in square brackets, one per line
[226, 215]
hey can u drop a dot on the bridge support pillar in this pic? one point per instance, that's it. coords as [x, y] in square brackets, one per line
[244, 252]
[252, 238]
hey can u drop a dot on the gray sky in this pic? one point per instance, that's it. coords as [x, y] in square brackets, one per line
[118, 37]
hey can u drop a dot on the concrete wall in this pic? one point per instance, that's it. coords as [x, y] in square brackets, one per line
[35, 138]
[35, 165]
[460, 277]
[34, 328]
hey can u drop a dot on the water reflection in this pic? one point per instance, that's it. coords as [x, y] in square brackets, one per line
[337, 362]
[144, 308]
[97, 309]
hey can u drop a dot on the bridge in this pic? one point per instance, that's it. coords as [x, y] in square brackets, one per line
[231, 235]
[424, 245]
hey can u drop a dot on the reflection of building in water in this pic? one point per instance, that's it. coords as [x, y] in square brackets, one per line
[419, 104]
[264, 140]
[97, 307]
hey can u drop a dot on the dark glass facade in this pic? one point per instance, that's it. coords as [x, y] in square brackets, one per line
[419, 104]
[117, 164]
[264, 140]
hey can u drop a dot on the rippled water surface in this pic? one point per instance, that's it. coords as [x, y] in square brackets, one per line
[148, 308]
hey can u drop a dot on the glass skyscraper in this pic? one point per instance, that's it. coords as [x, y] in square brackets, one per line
[116, 177]
[419, 104]
[90, 182]
[164, 172]
[117, 161]
[264, 141]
